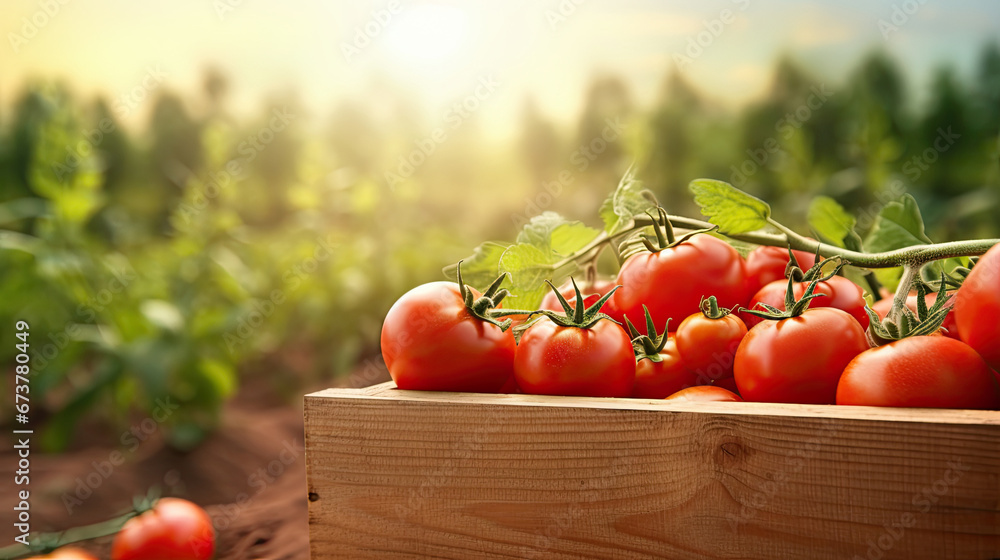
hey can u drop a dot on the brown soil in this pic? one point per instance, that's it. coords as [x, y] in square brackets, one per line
[249, 475]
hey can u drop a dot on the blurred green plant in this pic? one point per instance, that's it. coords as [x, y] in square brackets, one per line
[126, 316]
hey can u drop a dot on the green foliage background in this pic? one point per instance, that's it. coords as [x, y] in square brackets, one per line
[149, 266]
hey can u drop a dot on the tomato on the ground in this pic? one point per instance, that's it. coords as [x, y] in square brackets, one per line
[977, 308]
[766, 264]
[920, 371]
[673, 281]
[432, 342]
[705, 393]
[174, 529]
[840, 293]
[597, 361]
[798, 359]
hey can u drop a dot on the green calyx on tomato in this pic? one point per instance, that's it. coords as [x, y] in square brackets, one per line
[926, 321]
[794, 267]
[664, 235]
[491, 298]
[795, 308]
[711, 310]
[648, 346]
[578, 315]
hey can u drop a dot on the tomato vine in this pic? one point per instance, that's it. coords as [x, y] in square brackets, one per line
[552, 248]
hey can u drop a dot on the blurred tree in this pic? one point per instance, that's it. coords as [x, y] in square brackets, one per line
[215, 85]
[31, 111]
[270, 153]
[113, 149]
[875, 127]
[113, 146]
[599, 153]
[936, 159]
[673, 144]
[987, 109]
[607, 104]
[878, 85]
[539, 144]
[767, 126]
[987, 89]
[176, 155]
[355, 139]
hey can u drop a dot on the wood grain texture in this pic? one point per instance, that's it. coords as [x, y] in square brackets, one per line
[402, 474]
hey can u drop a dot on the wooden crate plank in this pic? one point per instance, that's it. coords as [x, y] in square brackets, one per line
[399, 474]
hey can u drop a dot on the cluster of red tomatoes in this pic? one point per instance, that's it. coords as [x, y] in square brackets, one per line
[173, 529]
[444, 336]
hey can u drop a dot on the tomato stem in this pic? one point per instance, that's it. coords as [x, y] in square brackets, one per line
[919, 254]
[910, 272]
[710, 308]
[44, 543]
[787, 238]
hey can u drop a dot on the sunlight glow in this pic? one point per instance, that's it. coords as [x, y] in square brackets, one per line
[428, 34]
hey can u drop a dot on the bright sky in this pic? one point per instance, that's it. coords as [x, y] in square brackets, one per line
[439, 51]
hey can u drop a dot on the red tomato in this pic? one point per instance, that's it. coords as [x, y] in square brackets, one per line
[840, 292]
[798, 360]
[66, 553]
[594, 362]
[977, 308]
[705, 393]
[920, 371]
[431, 342]
[882, 307]
[174, 529]
[707, 346]
[767, 264]
[672, 282]
[657, 380]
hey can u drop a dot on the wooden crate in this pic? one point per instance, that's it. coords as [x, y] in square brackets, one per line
[405, 474]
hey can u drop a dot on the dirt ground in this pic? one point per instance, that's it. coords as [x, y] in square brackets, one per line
[249, 475]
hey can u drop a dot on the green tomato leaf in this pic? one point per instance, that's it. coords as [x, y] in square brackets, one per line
[571, 237]
[624, 204]
[898, 225]
[529, 267]
[482, 267]
[538, 231]
[832, 223]
[733, 210]
[544, 241]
